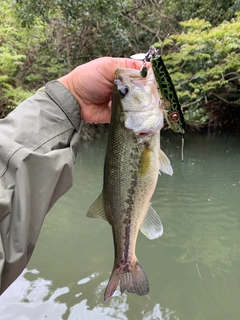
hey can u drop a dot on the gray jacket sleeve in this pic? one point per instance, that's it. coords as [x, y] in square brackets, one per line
[38, 146]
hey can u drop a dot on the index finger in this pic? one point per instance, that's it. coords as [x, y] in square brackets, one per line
[129, 63]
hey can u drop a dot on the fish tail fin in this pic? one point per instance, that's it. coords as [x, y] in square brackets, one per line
[112, 284]
[134, 280]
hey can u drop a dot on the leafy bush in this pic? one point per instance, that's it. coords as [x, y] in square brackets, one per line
[28, 57]
[58, 35]
[12, 59]
[205, 66]
[214, 11]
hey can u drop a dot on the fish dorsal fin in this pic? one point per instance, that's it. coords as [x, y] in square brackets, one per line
[152, 226]
[97, 210]
[164, 163]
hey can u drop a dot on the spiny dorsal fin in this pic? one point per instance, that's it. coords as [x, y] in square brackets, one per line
[97, 210]
[152, 226]
[164, 163]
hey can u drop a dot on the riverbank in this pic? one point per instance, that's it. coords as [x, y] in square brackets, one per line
[220, 121]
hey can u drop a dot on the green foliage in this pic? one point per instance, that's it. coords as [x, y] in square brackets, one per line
[24, 58]
[58, 35]
[214, 11]
[11, 59]
[9, 65]
[205, 66]
[87, 29]
[15, 95]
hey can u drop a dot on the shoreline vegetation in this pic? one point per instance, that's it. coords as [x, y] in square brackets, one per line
[44, 40]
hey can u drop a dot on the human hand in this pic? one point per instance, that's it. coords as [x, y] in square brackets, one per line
[92, 83]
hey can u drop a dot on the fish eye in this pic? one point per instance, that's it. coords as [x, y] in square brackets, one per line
[122, 90]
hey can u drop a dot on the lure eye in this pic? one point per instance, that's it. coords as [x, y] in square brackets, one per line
[174, 117]
[123, 90]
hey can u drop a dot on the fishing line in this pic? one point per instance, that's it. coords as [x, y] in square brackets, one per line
[182, 156]
[194, 253]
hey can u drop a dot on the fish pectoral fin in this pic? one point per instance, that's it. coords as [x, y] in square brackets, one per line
[97, 210]
[164, 163]
[152, 226]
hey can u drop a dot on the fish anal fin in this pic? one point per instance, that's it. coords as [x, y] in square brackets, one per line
[131, 280]
[97, 209]
[152, 226]
[164, 163]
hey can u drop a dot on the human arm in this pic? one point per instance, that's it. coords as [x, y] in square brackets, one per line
[38, 146]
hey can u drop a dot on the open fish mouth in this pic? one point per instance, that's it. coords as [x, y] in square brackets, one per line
[145, 134]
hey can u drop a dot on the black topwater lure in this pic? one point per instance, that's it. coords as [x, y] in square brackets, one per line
[172, 109]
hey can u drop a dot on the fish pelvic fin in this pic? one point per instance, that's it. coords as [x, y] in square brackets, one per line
[133, 280]
[97, 209]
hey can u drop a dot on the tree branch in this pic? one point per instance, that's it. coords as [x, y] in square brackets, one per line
[224, 100]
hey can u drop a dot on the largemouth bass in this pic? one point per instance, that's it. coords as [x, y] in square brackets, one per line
[132, 163]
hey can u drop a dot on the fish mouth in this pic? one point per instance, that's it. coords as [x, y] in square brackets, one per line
[144, 134]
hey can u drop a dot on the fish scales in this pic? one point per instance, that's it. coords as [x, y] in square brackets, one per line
[129, 199]
[132, 162]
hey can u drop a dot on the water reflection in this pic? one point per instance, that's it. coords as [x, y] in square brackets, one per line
[37, 299]
[159, 313]
[33, 299]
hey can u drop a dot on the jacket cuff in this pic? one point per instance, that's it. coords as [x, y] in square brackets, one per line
[65, 100]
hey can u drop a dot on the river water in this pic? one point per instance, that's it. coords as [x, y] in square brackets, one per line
[193, 269]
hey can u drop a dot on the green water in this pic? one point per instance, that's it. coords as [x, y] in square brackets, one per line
[193, 269]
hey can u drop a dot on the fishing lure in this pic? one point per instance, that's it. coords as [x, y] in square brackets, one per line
[172, 109]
